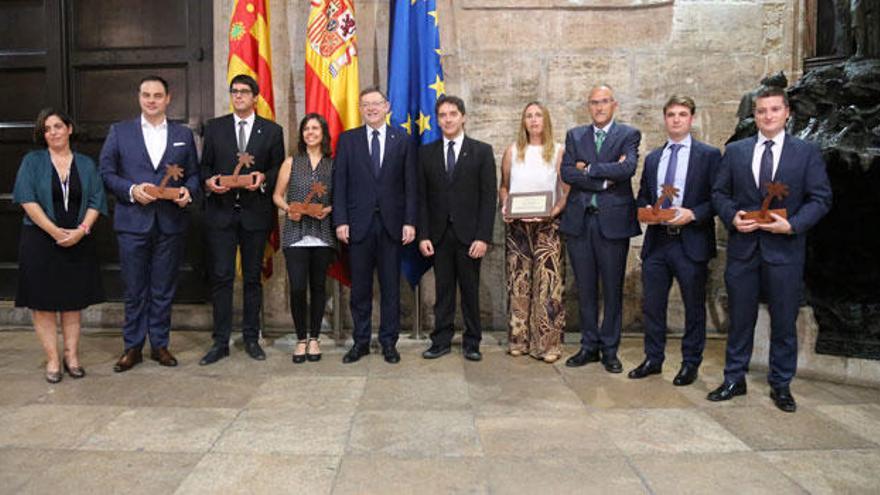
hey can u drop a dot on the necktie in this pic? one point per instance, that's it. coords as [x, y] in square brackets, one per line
[670, 170]
[242, 137]
[450, 159]
[600, 138]
[374, 152]
[765, 176]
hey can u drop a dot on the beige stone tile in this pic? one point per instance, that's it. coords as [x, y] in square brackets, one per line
[563, 474]
[830, 471]
[381, 474]
[767, 428]
[162, 429]
[542, 436]
[415, 433]
[734, 473]
[287, 431]
[861, 419]
[497, 366]
[260, 473]
[647, 431]
[336, 394]
[18, 466]
[429, 392]
[20, 389]
[851, 394]
[519, 396]
[617, 391]
[53, 426]
[412, 363]
[93, 473]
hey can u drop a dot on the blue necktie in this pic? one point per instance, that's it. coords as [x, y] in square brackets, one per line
[450, 159]
[670, 171]
[374, 152]
[765, 176]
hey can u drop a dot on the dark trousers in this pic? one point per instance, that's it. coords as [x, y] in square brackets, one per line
[149, 266]
[665, 261]
[452, 266]
[223, 244]
[376, 252]
[594, 258]
[780, 285]
[306, 275]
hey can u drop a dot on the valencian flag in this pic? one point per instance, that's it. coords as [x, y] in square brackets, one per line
[250, 53]
[415, 81]
[332, 79]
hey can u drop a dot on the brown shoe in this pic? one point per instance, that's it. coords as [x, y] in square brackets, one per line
[163, 356]
[129, 359]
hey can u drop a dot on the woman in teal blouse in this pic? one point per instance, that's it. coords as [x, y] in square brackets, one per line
[62, 197]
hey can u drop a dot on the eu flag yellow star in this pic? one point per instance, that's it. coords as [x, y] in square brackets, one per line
[424, 122]
[439, 86]
[408, 124]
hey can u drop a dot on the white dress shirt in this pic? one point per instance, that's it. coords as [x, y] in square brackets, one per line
[681, 167]
[156, 139]
[458, 140]
[249, 126]
[607, 129]
[382, 131]
[759, 152]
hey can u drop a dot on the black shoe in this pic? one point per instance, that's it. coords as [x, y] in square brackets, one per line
[647, 368]
[783, 399]
[391, 355]
[75, 371]
[472, 354]
[727, 391]
[300, 358]
[355, 353]
[216, 353]
[54, 376]
[254, 350]
[436, 351]
[582, 357]
[686, 375]
[612, 364]
[313, 357]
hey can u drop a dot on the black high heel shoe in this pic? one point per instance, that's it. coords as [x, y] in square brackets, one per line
[75, 372]
[313, 357]
[54, 376]
[300, 358]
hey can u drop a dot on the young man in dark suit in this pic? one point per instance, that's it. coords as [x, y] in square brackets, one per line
[682, 247]
[241, 218]
[457, 196]
[598, 221]
[150, 231]
[767, 258]
[374, 210]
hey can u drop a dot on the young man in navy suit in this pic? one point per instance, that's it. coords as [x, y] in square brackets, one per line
[682, 247]
[767, 259]
[374, 210]
[598, 221]
[150, 231]
[239, 219]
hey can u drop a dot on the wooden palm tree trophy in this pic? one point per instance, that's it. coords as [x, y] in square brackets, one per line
[306, 207]
[658, 214]
[162, 191]
[776, 190]
[236, 180]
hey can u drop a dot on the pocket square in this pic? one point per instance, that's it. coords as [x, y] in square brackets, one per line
[179, 143]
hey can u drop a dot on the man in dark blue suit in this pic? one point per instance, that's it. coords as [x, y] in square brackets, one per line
[598, 221]
[150, 231]
[767, 259]
[682, 247]
[374, 209]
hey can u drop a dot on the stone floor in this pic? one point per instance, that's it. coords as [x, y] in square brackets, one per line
[505, 425]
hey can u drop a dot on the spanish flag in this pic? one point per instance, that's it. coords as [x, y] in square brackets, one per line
[332, 79]
[250, 52]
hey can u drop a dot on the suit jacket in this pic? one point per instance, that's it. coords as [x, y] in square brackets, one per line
[617, 207]
[124, 162]
[357, 193]
[467, 200]
[802, 169]
[220, 155]
[697, 237]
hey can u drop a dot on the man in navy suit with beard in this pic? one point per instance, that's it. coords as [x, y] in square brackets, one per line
[598, 221]
[374, 210]
[767, 259]
[682, 247]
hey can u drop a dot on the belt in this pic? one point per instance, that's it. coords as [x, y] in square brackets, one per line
[672, 230]
[237, 204]
[590, 210]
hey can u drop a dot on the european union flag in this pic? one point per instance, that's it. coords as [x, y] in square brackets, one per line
[415, 81]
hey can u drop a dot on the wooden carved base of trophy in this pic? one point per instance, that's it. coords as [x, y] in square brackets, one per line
[157, 192]
[764, 216]
[236, 181]
[656, 215]
[310, 209]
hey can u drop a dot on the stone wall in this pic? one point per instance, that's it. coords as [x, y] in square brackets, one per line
[499, 54]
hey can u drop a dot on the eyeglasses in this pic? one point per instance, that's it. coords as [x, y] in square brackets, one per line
[242, 92]
[372, 104]
[601, 103]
